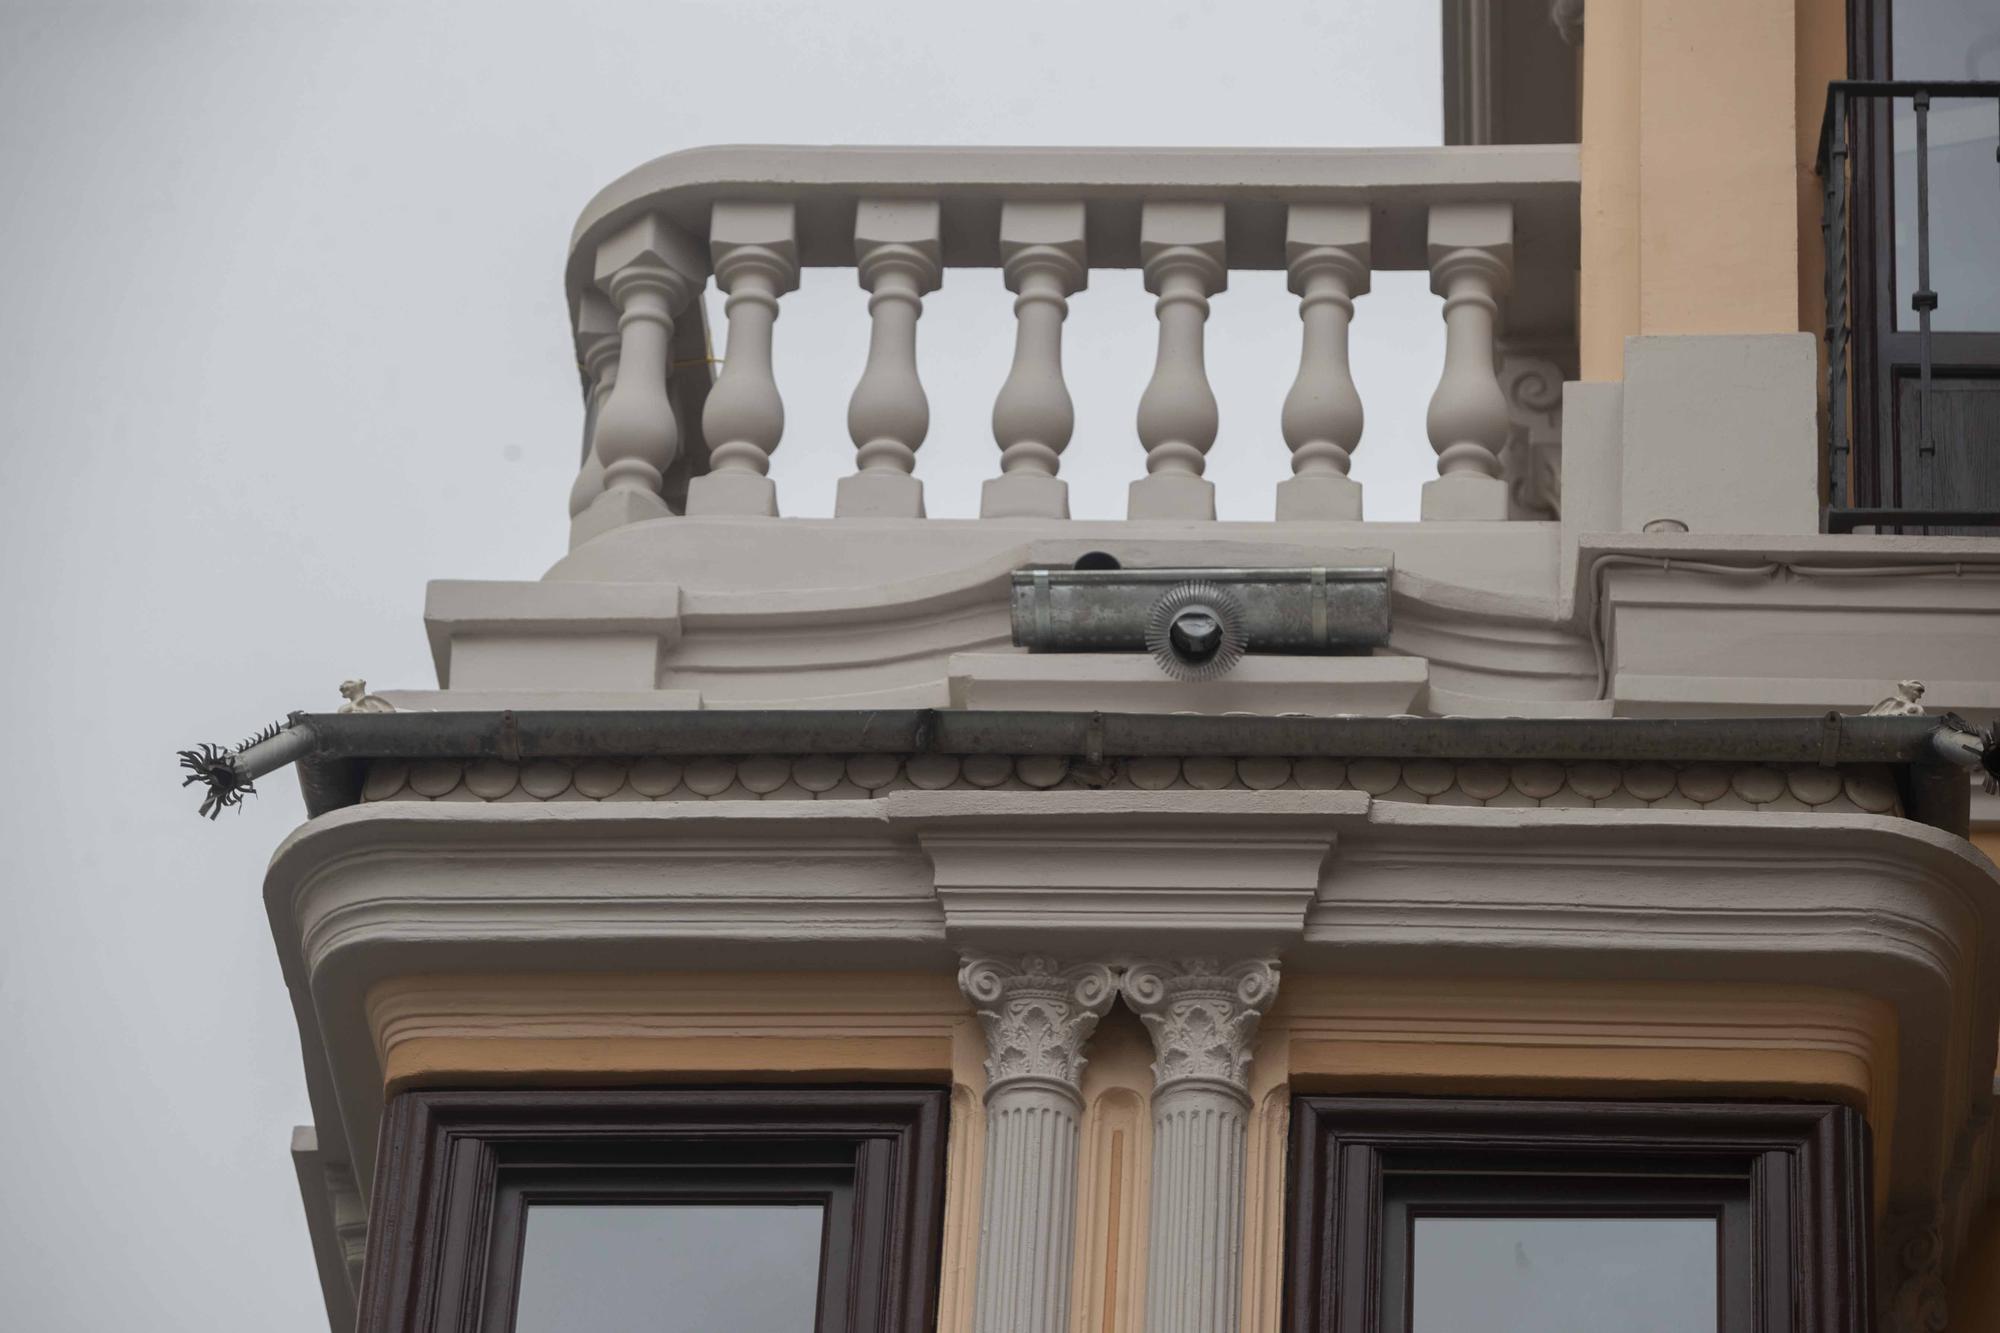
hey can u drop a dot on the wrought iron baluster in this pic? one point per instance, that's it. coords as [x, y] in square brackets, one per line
[1924, 300]
[1835, 227]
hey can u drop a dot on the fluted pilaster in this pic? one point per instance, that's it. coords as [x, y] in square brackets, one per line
[1036, 1015]
[1202, 1015]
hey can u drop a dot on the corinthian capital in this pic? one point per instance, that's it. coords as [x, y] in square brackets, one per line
[1203, 1015]
[1037, 1014]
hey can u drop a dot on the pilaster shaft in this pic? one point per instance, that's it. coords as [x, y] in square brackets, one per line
[1036, 1015]
[1203, 1016]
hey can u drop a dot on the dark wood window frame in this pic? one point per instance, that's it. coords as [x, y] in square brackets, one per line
[457, 1169]
[1802, 1168]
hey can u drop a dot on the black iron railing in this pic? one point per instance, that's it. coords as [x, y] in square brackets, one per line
[1844, 173]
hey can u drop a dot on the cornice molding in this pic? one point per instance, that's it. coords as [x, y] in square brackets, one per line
[1882, 907]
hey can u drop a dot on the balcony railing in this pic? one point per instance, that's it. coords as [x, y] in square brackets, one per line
[1890, 481]
[1496, 228]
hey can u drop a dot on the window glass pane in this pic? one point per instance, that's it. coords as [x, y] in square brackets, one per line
[1563, 1275]
[669, 1268]
[1949, 39]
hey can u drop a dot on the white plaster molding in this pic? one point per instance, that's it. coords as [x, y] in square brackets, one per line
[1913, 1294]
[1871, 905]
[1036, 1014]
[1129, 682]
[1126, 877]
[332, 1208]
[1202, 1015]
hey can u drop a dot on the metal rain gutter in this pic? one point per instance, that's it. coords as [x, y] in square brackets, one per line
[332, 749]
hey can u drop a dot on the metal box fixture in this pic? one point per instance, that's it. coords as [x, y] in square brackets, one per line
[1198, 622]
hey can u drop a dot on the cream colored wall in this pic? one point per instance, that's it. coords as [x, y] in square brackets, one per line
[1324, 1034]
[591, 1030]
[1690, 174]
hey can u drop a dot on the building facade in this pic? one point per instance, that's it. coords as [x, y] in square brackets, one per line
[1027, 924]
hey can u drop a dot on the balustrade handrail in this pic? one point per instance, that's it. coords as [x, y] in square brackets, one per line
[1479, 219]
[1254, 184]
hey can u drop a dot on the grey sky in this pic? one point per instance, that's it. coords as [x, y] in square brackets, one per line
[282, 336]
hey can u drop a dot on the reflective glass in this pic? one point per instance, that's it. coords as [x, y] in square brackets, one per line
[669, 1268]
[1949, 39]
[1564, 1275]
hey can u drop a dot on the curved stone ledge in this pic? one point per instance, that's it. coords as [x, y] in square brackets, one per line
[1859, 789]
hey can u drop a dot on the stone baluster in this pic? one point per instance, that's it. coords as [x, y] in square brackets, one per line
[756, 254]
[1472, 262]
[1041, 249]
[1036, 1015]
[1202, 1016]
[1181, 245]
[897, 247]
[650, 269]
[597, 354]
[1326, 257]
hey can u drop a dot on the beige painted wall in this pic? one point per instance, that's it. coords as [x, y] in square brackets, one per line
[1325, 1034]
[1691, 195]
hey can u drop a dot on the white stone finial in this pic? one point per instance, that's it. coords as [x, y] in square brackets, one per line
[650, 269]
[1182, 246]
[1036, 1014]
[1041, 248]
[897, 248]
[1327, 258]
[1472, 263]
[1202, 1015]
[756, 253]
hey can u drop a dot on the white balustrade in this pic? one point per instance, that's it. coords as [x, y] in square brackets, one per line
[1041, 246]
[1181, 245]
[897, 248]
[1471, 248]
[597, 355]
[1328, 218]
[1326, 260]
[650, 269]
[756, 252]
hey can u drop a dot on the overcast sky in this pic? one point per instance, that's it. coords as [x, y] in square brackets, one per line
[282, 337]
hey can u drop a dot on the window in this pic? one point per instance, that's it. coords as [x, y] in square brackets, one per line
[1433, 1216]
[1926, 441]
[679, 1210]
